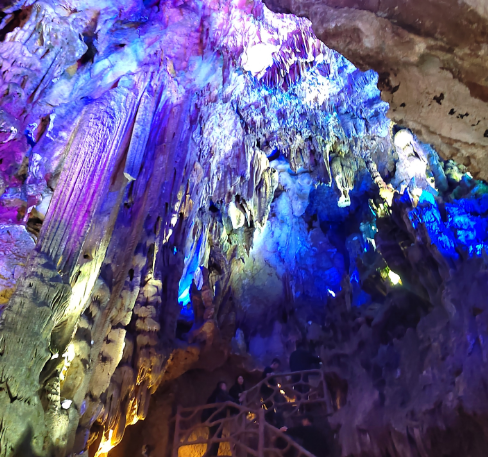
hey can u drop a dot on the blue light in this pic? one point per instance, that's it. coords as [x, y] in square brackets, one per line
[463, 227]
[184, 298]
[187, 279]
[355, 273]
[185, 302]
[427, 197]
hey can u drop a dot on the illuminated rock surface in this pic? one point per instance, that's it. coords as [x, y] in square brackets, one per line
[192, 185]
[431, 57]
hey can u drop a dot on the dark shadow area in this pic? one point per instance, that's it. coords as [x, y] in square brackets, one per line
[24, 446]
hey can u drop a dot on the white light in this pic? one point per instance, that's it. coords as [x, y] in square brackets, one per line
[69, 355]
[403, 138]
[55, 356]
[259, 57]
[66, 404]
[394, 278]
[331, 292]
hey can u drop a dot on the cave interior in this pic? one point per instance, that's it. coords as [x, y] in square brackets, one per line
[190, 189]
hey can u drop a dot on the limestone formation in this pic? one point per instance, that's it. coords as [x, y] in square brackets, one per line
[186, 186]
[431, 58]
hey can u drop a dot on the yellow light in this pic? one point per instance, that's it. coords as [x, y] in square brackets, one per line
[282, 392]
[387, 194]
[132, 417]
[68, 356]
[106, 444]
[250, 416]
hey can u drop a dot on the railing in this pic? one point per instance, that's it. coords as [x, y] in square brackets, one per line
[281, 444]
[289, 392]
[245, 433]
[243, 430]
[227, 423]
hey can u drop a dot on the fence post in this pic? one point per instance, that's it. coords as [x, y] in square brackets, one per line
[327, 398]
[176, 438]
[261, 432]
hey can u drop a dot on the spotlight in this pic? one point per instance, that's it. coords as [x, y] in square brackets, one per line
[394, 278]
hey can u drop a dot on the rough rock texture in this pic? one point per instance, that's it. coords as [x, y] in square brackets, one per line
[136, 152]
[400, 370]
[186, 181]
[432, 60]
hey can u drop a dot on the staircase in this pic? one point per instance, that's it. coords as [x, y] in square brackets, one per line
[243, 429]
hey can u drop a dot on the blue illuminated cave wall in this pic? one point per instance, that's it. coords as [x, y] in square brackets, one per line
[316, 132]
[459, 224]
[189, 276]
[305, 240]
[306, 258]
[312, 254]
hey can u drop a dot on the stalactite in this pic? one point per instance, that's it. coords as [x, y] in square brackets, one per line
[172, 182]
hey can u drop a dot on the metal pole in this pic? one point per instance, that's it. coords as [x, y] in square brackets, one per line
[261, 432]
[176, 438]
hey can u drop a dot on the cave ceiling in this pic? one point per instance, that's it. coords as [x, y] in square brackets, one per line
[185, 181]
[431, 58]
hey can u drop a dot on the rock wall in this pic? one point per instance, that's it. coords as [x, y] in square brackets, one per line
[400, 370]
[431, 58]
[137, 153]
[185, 181]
